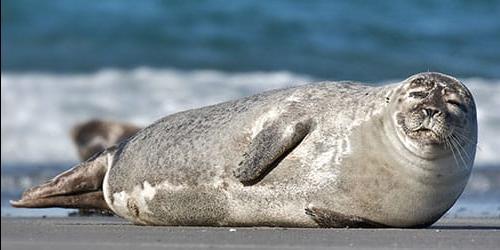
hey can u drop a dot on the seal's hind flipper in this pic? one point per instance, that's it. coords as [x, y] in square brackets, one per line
[268, 148]
[79, 187]
[327, 218]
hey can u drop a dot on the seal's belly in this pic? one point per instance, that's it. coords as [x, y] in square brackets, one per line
[228, 205]
[168, 205]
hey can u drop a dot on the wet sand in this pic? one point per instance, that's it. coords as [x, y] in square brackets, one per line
[114, 233]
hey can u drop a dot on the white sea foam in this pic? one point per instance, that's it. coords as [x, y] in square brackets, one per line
[38, 109]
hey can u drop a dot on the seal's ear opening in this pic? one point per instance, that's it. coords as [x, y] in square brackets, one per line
[79, 187]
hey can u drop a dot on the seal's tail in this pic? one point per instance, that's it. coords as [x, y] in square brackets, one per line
[78, 187]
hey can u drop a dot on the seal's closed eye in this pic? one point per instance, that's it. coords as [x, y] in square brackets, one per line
[457, 104]
[418, 94]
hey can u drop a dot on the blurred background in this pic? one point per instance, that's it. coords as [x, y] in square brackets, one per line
[64, 62]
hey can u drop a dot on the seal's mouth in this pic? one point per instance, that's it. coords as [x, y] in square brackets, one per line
[424, 129]
[426, 136]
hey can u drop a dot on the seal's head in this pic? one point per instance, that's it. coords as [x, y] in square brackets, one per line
[434, 114]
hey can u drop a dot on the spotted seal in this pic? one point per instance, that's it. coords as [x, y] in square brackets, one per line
[330, 154]
[93, 136]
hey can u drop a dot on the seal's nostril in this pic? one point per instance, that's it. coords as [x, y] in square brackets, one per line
[430, 112]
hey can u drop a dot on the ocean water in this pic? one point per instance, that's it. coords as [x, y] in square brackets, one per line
[65, 62]
[366, 41]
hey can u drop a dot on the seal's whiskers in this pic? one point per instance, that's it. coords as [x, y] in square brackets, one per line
[462, 149]
[464, 137]
[450, 146]
[456, 146]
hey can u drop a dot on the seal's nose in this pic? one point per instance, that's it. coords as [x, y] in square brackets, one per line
[430, 112]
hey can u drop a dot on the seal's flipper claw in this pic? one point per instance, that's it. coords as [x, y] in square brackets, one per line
[79, 187]
[327, 218]
[269, 147]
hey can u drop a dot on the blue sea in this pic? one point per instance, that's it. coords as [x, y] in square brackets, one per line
[65, 62]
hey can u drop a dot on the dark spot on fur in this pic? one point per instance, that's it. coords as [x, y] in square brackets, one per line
[225, 185]
[416, 82]
[132, 207]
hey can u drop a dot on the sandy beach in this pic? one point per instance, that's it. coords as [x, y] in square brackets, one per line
[114, 233]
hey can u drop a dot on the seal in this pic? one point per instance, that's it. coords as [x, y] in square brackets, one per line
[94, 136]
[330, 154]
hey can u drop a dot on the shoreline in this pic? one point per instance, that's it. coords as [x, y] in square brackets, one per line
[116, 233]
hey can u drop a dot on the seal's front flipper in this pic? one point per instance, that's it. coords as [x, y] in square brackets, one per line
[328, 218]
[79, 187]
[268, 148]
